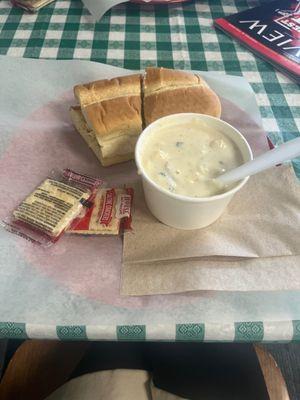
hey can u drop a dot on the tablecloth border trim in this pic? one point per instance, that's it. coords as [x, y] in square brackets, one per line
[241, 331]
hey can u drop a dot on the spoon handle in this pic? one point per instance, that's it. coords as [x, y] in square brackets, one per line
[284, 152]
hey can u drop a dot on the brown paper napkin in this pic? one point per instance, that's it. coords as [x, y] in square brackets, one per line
[259, 231]
[259, 274]
[262, 220]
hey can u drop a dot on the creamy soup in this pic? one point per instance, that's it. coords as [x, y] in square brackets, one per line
[186, 159]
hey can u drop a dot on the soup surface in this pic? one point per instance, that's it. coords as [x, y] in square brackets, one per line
[185, 159]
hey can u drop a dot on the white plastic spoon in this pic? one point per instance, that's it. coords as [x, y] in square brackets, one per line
[284, 152]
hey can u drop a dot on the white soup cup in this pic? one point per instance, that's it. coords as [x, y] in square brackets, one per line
[181, 211]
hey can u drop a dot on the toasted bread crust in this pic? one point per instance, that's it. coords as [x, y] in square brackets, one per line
[194, 99]
[106, 89]
[115, 117]
[158, 79]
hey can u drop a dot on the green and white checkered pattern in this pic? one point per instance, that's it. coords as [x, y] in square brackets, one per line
[250, 331]
[133, 36]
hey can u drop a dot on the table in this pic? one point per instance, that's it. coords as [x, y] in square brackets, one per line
[133, 37]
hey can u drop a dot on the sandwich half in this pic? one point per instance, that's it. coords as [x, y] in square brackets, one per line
[168, 91]
[105, 89]
[110, 111]
[89, 136]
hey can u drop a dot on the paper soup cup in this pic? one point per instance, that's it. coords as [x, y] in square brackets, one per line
[181, 211]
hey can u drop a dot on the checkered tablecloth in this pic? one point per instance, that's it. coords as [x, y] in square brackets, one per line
[133, 36]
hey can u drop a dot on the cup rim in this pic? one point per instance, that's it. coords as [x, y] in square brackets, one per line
[182, 197]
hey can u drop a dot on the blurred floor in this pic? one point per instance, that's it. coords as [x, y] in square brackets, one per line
[286, 355]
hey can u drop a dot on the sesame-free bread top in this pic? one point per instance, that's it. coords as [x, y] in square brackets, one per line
[170, 91]
[158, 79]
[200, 100]
[106, 89]
[115, 117]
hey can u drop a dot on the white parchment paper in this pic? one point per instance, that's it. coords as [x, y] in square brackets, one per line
[77, 281]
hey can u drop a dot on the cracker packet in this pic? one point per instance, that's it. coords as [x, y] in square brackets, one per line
[47, 212]
[110, 214]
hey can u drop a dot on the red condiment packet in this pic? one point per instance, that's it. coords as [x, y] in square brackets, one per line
[110, 213]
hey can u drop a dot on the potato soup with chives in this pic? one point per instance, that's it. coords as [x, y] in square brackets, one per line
[186, 159]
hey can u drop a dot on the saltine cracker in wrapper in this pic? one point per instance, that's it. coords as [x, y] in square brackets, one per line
[44, 215]
[110, 213]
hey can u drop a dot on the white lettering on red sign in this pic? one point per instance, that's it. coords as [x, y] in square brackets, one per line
[106, 214]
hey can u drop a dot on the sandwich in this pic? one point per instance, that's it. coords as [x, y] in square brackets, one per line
[112, 112]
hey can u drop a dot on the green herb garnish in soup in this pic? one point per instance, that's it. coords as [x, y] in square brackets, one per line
[185, 159]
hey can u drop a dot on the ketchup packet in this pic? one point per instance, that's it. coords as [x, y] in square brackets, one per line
[52, 207]
[110, 213]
